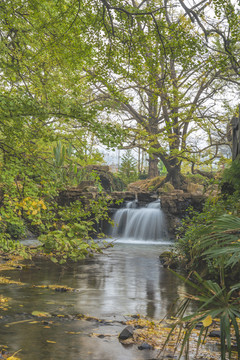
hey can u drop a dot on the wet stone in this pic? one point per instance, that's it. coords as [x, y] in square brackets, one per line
[126, 333]
[45, 322]
[145, 346]
[215, 333]
[139, 327]
[135, 316]
[62, 289]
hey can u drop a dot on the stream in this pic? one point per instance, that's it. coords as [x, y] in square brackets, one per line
[127, 279]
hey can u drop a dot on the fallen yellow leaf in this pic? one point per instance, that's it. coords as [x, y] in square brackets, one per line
[40, 314]
[207, 321]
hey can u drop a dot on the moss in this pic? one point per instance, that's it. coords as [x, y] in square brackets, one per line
[196, 179]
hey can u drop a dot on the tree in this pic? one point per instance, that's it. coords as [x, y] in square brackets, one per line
[156, 74]
[38, 106]
[128, 168]
[148, 65]
[43, 88]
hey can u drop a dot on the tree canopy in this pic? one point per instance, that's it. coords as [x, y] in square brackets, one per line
[150, 74]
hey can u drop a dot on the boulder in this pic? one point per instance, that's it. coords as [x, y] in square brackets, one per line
[126, 333]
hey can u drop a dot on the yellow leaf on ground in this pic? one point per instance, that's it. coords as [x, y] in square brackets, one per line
[51, 342]
[40, 314]
[207, 321]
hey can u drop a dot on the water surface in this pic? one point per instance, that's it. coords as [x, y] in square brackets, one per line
[125, 280]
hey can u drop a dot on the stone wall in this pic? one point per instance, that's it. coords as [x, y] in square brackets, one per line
[175, 204]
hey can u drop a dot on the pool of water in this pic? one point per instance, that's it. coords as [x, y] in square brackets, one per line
[126, 280]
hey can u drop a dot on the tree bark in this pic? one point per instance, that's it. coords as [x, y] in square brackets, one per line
[174, 175]
[153, 167]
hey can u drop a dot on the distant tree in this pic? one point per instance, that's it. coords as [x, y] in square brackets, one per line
[128, 168]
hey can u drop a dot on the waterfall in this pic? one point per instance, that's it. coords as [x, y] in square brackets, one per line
[146, 224]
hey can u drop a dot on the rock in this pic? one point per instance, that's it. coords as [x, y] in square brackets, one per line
[135, 316]
[126, 333]
[215, 333]
[61, 289]
[145, 346]
[139, 327]
[167, 188]
[175, 203]
[97, 168]
[85, 184]
[195, 188]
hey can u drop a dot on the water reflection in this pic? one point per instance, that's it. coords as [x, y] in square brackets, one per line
[126, 280]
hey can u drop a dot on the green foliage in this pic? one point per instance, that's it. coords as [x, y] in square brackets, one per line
[197, 179]
[213, 301]
[230, 178]
[221, 243]
[162, 169]
[209, 237]
[29, 194]
[128, 168]
[194, 226]
[211, 246]
[59, 154]
[70, 236]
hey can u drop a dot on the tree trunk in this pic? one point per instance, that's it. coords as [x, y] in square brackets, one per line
[153, 167]
[176, 178]
[174, 175]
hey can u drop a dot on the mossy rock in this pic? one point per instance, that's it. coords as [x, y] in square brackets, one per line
[166, 188]
[155, 183]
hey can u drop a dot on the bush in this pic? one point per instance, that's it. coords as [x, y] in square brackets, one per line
[230, 179]
[210, 243]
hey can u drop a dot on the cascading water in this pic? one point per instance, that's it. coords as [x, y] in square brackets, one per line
[146, 224]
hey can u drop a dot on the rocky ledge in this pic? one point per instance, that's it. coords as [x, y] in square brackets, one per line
[174, 202]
